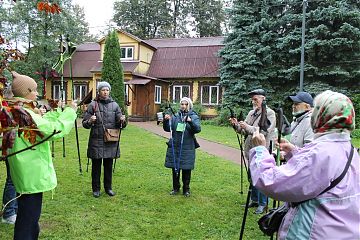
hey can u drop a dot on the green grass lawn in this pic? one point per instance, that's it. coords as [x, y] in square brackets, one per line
[143, 208]
[219, 134]
[227, 136]
[356, 142]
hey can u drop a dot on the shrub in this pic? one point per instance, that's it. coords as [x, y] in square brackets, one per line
[198, 108]
[355, 133]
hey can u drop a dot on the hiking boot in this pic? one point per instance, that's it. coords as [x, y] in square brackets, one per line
[110, 192]
[253, 204]
[260, 209]
[186, 194]
[9, 220]
[96, 194]
[174, 192]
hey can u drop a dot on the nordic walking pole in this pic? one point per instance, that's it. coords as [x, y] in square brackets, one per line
[246, 204]
[232, 115]
[279, 124]
[117, 146]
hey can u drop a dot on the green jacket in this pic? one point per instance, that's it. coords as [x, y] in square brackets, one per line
[32, 171]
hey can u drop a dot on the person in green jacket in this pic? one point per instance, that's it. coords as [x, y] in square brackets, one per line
[32, 171]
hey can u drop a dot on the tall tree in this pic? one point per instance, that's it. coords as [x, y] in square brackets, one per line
[37, 32]
[179, 12]
[145, 19]
[242, 55]
[170, 18]
[112, 70]
[208, 17]
[332, 47]
[264, 48]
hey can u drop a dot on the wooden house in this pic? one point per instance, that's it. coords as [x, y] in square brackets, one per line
[155, 70]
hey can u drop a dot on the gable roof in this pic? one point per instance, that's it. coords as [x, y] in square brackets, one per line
[186, 58]
[84, 58]
[131, 36]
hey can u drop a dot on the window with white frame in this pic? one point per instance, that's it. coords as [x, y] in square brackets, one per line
[127, 53]
[157, 94]
[80, 91]
[56, 93]
[180, 91]
[209, 95]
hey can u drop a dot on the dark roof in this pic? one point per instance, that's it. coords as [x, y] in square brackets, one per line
[127, 66]
[186, 42]
[84, 58]
[90, 46]
[185, 62]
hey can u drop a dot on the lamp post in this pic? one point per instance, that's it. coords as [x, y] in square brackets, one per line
[302, 46]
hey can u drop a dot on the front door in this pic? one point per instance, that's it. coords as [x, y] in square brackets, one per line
[141, 101]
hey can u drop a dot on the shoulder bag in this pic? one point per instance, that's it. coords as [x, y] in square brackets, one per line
[110, 134]
[270, 222]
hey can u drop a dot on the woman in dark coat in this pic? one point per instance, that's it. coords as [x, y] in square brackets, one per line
[183, 127]
[100, 113]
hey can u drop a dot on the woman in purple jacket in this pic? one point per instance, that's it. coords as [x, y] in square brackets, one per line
[334, 214]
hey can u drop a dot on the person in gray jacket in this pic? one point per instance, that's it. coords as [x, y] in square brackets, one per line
[301, 131]
[248, 127]
[102, 112]
[180, 154]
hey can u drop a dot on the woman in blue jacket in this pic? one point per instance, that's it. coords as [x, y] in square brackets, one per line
[180, 154]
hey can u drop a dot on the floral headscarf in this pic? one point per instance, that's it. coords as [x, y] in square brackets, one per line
[333, 112]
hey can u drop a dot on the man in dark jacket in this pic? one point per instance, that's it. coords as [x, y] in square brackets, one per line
[180, 153]
[102, 113]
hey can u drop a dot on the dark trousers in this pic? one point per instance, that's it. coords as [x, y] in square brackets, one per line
[96, 173]
[28, 215]
[186, 176]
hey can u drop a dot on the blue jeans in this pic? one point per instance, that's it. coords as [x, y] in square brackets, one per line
[9, 194]
[259, 197]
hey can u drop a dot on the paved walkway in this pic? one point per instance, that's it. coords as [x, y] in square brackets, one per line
[212, 148]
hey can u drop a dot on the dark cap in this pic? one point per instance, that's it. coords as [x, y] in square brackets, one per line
[302, 97]
[257, 92]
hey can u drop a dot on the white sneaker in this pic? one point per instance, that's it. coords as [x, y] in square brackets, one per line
[260, 209]
[9, 220]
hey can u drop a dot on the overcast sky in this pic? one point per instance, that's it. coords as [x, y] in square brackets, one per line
[98, 13]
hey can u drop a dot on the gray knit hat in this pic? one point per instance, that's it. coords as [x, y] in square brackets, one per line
[102, 85]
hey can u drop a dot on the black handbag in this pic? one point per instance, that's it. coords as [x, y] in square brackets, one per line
[270, 222]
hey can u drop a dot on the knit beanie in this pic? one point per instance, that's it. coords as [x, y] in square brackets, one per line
[101, 85]
[188, 100]
[22, 85]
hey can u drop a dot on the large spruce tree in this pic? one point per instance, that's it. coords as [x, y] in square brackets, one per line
[112, 70]
[265, 46]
